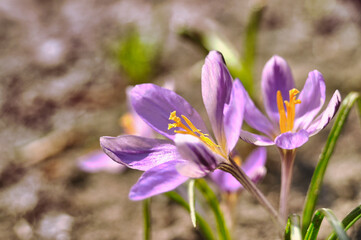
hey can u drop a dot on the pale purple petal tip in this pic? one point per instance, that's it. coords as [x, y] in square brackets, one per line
[160, 179]
[290, 140]
[138, 152]
[325, 117]
[312, 99]
[98, 161]
[255, 139]
[276, 76]
[225, 181]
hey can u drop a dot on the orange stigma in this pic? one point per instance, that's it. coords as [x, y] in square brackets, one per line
[192, 130]
[286, 122]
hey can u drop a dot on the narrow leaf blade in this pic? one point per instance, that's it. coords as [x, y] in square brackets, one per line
[191, 200]
[212, 201]
[318, 175]
[202, 224]
[348, 221]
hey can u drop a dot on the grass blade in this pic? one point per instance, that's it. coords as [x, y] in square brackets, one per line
[315, 225]
[250, 46]
[317, 178]
[212, 201]
[288, 230]
[348, 221]
[202, 224]
[191, 200]
[147, 219]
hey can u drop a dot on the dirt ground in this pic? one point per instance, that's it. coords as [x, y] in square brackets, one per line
[61, 90]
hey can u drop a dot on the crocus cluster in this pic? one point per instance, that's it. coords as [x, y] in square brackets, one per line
[188, 150]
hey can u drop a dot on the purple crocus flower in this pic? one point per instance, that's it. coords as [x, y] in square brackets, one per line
[253, 166]
[189, 150]
[291, 122]
[131, 123]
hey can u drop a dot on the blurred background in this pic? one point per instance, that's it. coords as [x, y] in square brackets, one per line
[64, 69]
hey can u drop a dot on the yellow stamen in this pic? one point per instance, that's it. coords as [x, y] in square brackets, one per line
[192, 130]
[286, 122]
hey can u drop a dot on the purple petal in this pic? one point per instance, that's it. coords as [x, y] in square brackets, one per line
[225, 181]
[160, 179]
[233, 115]
[98, 161]
[255, 139]
[325, 117]
[154, 105]
[138, 152]
[312, 99]
[216, 92]
[290, 140]
[254, 166]
[254, 117]
[276, 76]
[141, 128]
[194, 150]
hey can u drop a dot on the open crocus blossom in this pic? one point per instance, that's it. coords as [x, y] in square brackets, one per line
[253, 166]
[291, 117]
[189, 151]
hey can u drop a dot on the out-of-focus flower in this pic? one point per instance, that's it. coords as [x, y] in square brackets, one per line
[290, 121]
[191, 151]
[253, 166]
[131, 123]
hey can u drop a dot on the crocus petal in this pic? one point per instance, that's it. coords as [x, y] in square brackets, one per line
[141, 128]
[233, 115]
[98, 161]
[312, 99]
[254, 166]
[139, 152]
[255, 118]
[290, 140]
[154, 105]
[160, 179]
[194, 150]
[325, 117]
[276, 76]
[225, 181]
[255, 139]
[216, 91]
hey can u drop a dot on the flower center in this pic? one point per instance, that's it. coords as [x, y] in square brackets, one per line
[286, 122]
[192, 130]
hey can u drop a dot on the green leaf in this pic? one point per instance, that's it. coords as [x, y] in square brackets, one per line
[192, 202]
[202, 224]
[288, 230]
[147, 219]
[250, 46]
[317, 178]
[348, 221]
[315, 225]
[212, 201]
